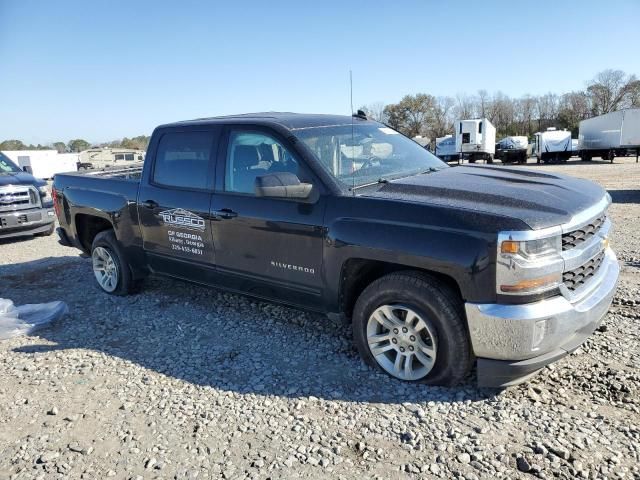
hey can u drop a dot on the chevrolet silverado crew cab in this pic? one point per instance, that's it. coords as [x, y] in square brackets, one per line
[437, 267]
[25, 204]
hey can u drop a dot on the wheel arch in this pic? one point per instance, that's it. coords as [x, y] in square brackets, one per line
[358, 273]
[88, 226]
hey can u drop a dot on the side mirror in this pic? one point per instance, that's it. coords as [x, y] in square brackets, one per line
[282, 185]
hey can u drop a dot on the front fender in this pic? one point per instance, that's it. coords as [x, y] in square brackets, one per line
[464, 256]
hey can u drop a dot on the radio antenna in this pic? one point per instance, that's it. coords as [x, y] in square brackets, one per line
[353, 142]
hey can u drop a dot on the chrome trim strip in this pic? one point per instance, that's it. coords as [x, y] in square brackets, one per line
[583, 218]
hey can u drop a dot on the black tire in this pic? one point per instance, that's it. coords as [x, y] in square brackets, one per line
[47, 233]
[489, 159]
[125, 284]
[435, 302]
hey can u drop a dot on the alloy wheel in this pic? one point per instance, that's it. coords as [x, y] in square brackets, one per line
[402, 342]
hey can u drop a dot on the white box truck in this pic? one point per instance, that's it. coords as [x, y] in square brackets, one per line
[446, 149]
[476, 139]
[513, 149]
[553, 145]
[610, 135]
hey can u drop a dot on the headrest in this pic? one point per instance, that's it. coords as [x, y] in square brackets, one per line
[245, 156]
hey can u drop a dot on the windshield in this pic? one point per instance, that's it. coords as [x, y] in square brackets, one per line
[6, 165]
[363, 154]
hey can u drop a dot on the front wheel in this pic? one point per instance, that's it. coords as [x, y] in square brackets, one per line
[110, 267]
[412, 328]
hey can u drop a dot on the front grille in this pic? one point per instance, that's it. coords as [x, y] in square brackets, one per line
[577, 277]
[17, 198]
[576, 237]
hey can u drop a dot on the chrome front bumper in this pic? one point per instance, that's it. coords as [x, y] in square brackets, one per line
[514, 341]
[25, 222]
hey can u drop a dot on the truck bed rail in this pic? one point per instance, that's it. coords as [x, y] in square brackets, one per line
[131, 172]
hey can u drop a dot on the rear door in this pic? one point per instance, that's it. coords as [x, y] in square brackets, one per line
[630, 136]
[174, 200]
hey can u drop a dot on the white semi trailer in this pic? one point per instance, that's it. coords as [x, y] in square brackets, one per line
[610, 135]
[43, 163]
[476, 139]
[553, 145]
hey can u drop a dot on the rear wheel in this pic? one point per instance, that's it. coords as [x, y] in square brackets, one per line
[110, 267]
[412, 328]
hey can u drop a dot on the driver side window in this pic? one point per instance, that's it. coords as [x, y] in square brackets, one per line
[252, 154]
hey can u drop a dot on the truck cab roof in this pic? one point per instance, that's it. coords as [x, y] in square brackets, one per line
[290, 120]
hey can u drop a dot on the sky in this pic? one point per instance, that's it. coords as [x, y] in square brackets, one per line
[101, 70]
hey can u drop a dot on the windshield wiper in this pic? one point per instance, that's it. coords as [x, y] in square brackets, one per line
[380, 180]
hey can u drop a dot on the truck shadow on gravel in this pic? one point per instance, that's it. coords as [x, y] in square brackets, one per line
[625, 196]
[207, 337]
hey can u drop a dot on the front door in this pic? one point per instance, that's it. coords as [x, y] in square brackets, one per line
[264, 246]
[174, 202]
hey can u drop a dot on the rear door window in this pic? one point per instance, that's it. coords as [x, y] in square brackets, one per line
[183, 159]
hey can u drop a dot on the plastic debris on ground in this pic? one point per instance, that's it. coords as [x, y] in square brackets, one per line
[25, 319]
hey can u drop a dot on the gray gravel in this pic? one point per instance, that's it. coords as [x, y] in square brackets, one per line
[182, 381]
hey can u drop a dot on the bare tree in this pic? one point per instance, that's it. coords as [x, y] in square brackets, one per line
[483, 102]
[547, 110]
[442, 117]
[375, 111]
[611, 90]
[465, 106]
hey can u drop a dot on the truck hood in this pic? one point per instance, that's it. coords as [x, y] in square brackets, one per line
[539, 199]
[19, 178]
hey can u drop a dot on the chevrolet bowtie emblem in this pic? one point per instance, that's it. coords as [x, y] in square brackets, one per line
[605, 243]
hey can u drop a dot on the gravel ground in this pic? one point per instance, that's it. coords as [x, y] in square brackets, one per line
[183, 381]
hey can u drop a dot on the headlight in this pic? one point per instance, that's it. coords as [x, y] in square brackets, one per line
[44, 194]
[527, 265]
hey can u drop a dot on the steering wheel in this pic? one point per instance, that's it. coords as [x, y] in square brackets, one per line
[368, 163]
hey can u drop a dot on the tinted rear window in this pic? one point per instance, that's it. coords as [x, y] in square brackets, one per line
[183, 159]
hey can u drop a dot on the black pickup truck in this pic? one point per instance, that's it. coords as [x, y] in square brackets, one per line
[437, 267]
[26, 207]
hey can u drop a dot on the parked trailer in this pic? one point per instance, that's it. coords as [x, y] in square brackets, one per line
[553, 145]
[43, 163]
[610, 135]
[512, 149]
[476, 139]
[446, 149]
